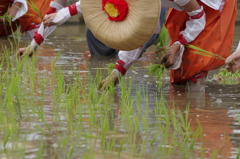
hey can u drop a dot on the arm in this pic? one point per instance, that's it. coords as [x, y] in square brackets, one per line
[58, 15]
[233, 61]
[18, 9]
[194, 26]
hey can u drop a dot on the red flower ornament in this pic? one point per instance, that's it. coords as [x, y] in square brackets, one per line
[116, 9]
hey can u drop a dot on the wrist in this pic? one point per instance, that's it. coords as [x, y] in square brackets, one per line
[73, 9]
[119, 66]
[181, 39]
[33, 45]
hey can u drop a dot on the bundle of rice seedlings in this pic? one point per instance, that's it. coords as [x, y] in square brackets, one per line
[157, 70]
[162, 43]
[225, 74]
[202, 52]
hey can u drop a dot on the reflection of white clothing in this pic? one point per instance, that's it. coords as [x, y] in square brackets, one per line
[23, 10]
[193, 27]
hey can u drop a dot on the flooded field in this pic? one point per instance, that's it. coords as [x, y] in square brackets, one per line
[50, 107]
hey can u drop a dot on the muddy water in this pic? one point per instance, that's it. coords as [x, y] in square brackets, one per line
[217, 109]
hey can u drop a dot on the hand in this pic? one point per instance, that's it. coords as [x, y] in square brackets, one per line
[111, 79]
[47, 20]
[233, 62]
[169, 58]
[3, 21]
[25, 51]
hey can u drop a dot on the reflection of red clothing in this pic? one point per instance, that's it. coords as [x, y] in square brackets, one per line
[217, 38]
[31, 16]
[4, 28]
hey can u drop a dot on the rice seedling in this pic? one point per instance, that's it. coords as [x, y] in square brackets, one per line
[74, 120]
[34, 7]
[162, 43]
[223, 73]
[226, 77]
[159, 71]
[238, 154]
[202, 52]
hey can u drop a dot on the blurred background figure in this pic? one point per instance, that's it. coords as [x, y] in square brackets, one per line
[25, 14]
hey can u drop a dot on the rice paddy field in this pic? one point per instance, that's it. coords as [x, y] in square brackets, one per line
[50, 107]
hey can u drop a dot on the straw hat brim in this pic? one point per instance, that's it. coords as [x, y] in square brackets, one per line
[129, 34]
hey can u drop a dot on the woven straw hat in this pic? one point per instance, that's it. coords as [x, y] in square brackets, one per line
[121, 24]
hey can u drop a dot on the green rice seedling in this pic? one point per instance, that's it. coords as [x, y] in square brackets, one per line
[238, 154]
[159, 71]
[223, 73]
[162, 42]
[111, 65]
[202, 52]
[34, 7]
[226, 77]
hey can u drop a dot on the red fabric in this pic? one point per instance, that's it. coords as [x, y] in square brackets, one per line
[51, 10]
[73, 9]
[38, 38]
[217, 37]
[32, 26]
[199, 75]
[119, 66]
[32, 16]
[182, 39]
[197, 16]
[120, 5]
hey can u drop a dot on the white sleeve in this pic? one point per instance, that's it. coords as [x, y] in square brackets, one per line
[64, 14]
[194, 26]
[78, 4]
[21, 11]
[46, 31]
[238, 47]
[181, 2]
[129, 57]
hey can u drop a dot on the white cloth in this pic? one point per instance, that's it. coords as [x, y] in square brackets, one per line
[129, 57]
[30, 33]
[178, 60]
[63, 15]
[238, 48]
[194, 26]
[45, 31]
[23, 10]
[178, 4]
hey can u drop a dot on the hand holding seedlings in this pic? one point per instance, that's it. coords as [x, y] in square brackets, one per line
[47, 20]
[112, 79]
[2, 20]
[25, 51]
[233, 62]
[168, 59]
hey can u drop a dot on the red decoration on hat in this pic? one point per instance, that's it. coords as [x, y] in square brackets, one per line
[116, 9]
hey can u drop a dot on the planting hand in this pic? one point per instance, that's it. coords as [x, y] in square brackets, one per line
[233, 62]
[47, 20]
[113, 78]
[62, 15]
[169, 58]
[25, 51]
[2, 20]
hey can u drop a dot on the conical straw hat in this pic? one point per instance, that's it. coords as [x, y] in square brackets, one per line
[126, 34]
